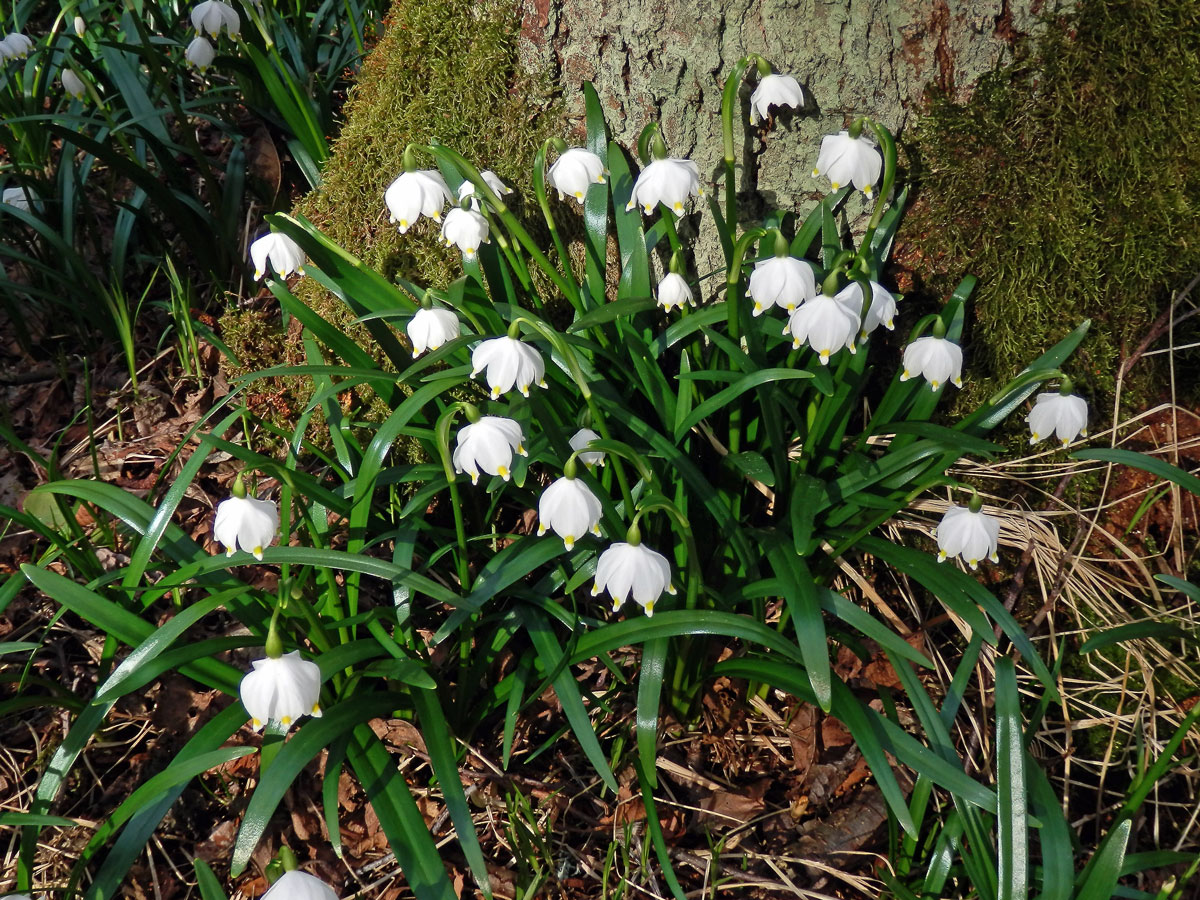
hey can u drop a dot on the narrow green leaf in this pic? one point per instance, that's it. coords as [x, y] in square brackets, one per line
[650, 684]
[1152, 464]
[399, 817]
[210, 887]
[657, 838]
[1103, 870]
[1012, 842]
[1133, 631]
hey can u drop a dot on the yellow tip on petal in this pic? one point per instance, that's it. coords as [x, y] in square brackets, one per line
[569, 541]
[647, 209]
[596, 531]
[256, 724]
[816, 173]
[757, 307]
[1066, 442]
[524, 389]
[300, 271]
[316, 711]
[258, 273]
[1083, 432]
[868, 190]
[403, 225]
[495, 393]
[596, 589]
[933, 385]
[671, 589]
[257, 552]
[474, 478]
[541, 528]
[973, 563]
[678, 207]
[285, 721]
[824, 355]
[502, 471]
[521, 450]
[649, 609]
[941, 556]
[229, 551]
[579, 196]
[835, 185]
[600, 178]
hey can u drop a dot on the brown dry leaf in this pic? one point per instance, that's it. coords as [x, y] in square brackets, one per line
[860, 772]
[398, 734]
[847, 665]
[834, 734]
[220, 842]
[263, 158]
[730, 807]
[802, 733]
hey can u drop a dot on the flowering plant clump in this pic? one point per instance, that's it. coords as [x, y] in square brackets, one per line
[722, 427]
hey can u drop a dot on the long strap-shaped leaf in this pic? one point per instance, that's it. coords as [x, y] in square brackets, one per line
[399, 817]
[1012, 841]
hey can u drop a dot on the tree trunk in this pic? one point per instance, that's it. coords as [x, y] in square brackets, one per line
[665, 60]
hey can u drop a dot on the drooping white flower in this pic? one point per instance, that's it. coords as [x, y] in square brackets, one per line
[466, 228]
[938, 359]
[674, 292]
[297, 885]
[246, 522]
[970, 535]
[200, 53]
[20, 198]
[782, 281]
[774, 90]
[281, 690]
[633, 568]
[507, 361]
[283, 253]
[825, 324]
[430, 328]
[570, 508]
[666, 181]
[15, 46]
[414, 194]
[488, 445]
[575, 171]
[1065, 415]
[213, 15]
[491, 179]
[846, 160]
[80, 26]
[581, 439]
[882, 310]
[73, 84]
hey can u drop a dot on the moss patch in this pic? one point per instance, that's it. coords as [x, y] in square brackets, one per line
[442, 71]
[1070, 185]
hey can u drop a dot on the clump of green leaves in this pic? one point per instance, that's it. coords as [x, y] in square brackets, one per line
[1066, 184]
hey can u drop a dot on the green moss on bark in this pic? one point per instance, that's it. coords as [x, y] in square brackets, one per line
[1070, 184]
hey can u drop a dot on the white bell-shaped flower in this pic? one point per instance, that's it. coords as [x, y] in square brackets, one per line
[280, 251]
[200, 53]
[428, 329]
[19, 198]
[491, 179]
[297, 885]
[970, 535]
[1064, 415]
[625, 569]
[847, 160]
[936, 358]
[774, 90]
[15, 46]
[422, 192]
[581, 439]
[488, 446]
[782, 281]
[575, 170]
[213, 15]
[80, 26]
[674, 292]
[281, 689]
[246, 522]
[466, 228]
[507, 361]
[825, 324]
[570, 509]
[882, 310]
[666, 181]
[73, 84]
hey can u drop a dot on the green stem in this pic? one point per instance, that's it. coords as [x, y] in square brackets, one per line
[728, 102]
[888, 145]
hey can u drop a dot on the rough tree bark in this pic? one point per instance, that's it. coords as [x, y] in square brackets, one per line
[665, 60]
